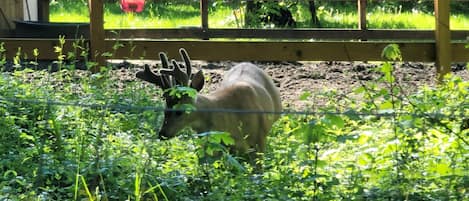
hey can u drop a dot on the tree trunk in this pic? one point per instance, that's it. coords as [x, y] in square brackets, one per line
[250, 16]
[314, 17]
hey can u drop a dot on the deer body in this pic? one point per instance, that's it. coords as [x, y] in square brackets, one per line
[244, 88]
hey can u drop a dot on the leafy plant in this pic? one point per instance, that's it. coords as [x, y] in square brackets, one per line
[72, 135]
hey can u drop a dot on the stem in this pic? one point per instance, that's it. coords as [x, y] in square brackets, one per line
[316, 156]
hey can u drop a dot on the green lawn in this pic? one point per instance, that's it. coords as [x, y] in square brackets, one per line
[178, 15]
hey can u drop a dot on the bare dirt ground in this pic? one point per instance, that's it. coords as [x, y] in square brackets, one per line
[296, 78]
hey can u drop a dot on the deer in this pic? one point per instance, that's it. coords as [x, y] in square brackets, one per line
[245, 87]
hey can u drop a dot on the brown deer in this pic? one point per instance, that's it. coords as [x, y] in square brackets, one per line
[245, 87]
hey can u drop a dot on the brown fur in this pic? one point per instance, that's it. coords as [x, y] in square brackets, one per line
[244, 87]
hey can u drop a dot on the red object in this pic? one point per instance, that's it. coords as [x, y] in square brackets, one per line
[132, 5]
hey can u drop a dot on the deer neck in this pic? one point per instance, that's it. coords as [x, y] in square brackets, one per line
[202, 120]
[206, 121]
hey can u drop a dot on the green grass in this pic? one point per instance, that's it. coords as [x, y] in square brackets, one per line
[402, 21]
[179, 15]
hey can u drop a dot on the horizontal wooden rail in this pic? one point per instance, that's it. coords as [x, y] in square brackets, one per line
[316, 34]
[244, 51]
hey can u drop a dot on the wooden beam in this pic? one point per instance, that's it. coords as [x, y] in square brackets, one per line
[272, 51]
[245, 51]
[97, 34]
[443, 38]
[459, 52]
[305, 34]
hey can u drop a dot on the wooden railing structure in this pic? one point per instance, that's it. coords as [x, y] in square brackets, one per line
[441, 45]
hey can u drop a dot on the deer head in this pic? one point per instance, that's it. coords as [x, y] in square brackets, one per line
[170, 77]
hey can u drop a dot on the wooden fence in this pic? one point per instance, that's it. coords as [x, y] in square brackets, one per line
[441, 45]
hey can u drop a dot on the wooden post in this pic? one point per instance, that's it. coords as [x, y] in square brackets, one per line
[97, 45]
[10, 10]
[43, 10]
[204, 17]
[442, 38]
[362, 14]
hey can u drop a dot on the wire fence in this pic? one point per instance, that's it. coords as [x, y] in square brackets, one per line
[386, 113]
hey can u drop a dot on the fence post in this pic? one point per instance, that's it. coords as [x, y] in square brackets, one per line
[97, 45]
[43, 11]
[204, 17]
[442, 38]
[362, 14]
[10, 10]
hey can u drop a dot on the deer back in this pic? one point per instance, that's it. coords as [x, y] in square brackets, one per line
[246, 88]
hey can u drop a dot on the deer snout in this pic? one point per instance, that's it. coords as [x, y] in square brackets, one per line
[166, 133]
[163, 135]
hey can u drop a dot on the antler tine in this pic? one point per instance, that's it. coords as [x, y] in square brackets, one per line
[164, 60]
[164, 77]
[187, 60]
[148, 75]
[181, 77]
[174, 73]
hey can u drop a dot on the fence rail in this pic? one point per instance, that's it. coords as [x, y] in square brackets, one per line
[242, 50]
[308, 34]
[440, 46]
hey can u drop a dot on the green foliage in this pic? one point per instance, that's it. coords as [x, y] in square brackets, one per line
[179, 92]
[228, 14]
[72, 135]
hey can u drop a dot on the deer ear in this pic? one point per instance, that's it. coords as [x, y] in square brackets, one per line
[198, 81]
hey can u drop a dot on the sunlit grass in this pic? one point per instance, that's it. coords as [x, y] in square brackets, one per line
[136, 21]
[339, 20]
[382, 20]
[405, 20]
[69, 17]
[460, 22]
[224, 18]
[180, 15]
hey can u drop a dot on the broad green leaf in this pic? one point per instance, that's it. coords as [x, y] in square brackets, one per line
[332, 120]
[227, 139]
[387, 69]
[364, 159]
[305, 95]
[442, 168]
[359, 90]
[179, 92]
[386, 105]
[392, 52]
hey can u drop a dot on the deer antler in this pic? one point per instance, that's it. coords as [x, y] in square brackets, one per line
[148, 75]
[173, 75]
[180, 78]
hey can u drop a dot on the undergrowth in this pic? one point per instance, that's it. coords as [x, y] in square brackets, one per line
[72, 135]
